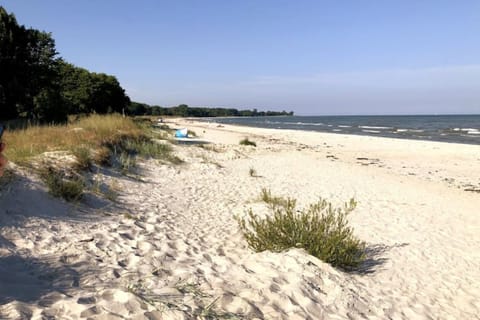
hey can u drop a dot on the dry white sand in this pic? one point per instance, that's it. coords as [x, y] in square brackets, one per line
[170, 248]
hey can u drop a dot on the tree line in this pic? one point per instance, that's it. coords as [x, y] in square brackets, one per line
[37, 84]
[183, 110]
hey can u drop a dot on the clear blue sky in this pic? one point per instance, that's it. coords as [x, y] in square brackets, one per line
[312, 57]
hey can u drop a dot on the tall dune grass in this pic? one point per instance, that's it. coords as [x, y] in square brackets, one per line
[95, 132]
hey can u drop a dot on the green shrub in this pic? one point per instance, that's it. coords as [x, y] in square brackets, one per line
[144, 147]
[84, 158]
[273, 201]
[321, 230]
[127, 162]
[161, 135]
[165, 127]
[246, 142]
[153, 149]
[70, 189]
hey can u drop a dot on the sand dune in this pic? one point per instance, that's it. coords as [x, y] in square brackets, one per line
[170, 247]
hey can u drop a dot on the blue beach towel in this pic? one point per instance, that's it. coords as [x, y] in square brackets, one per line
[181, 133]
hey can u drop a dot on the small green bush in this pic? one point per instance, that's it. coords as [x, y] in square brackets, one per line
[273, 201]
[161, 135]
[127, 162]
[246, 142]
[152, 149]
[70, 189]
[84, 158]
[321, 230]
[161, 151]
[127, 149]
[165, 127]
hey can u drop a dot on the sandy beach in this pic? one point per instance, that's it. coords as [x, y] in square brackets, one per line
[169, 246]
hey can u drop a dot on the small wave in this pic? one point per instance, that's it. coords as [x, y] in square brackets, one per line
[344, 126]
[299, 123]
[296, 123]
[369, 127]
[337, 130]
[409, 130]
[465, 130]
[371, 131]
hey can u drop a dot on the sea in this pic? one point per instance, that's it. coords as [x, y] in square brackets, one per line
[445, 128]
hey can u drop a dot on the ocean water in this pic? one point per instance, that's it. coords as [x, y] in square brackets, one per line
[445, 128]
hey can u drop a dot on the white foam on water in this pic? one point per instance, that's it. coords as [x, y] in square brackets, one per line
[299, 123]
[472, 131]
[371, 131]
[467, 130]
[370, 127]
[409, 130]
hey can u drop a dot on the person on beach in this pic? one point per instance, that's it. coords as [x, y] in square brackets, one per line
[3, 160]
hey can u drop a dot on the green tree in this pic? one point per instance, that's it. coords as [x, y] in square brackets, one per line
[12, 64]
[88, 92]
[35, 83]
[28, 66]
[49, 106]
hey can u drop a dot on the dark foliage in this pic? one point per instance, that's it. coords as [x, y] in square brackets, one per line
[38, 85]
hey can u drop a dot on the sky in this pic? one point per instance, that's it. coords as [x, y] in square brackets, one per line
[318, 57]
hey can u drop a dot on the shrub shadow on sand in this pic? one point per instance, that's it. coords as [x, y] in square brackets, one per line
[374, 258]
